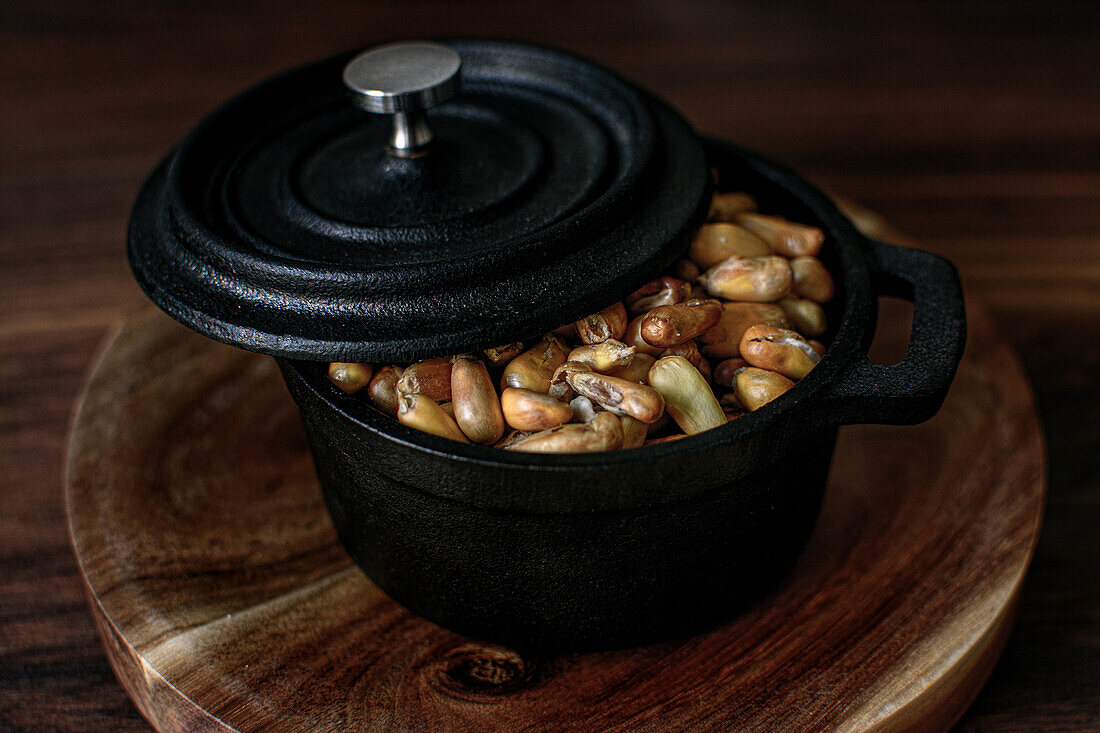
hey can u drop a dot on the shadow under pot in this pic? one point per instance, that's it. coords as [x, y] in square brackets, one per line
[632, 546]
[538, 190]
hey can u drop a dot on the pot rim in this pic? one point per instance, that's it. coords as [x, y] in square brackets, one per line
[851, 336]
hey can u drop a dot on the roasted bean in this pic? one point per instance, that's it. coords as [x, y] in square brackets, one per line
[752, 279]
[784, 237]
[513, 437]
[633, 337]
[602, 433]
[807, 317]
[382, 389]
[476, 405]
[662, 291]
[717, 242]
[527, 410]
[778, 350]
[662, 422]
[757, 387]
[349, 376]
[725, 372]
[533, 368]
[559, 385]
[583, 409]
[610, 323]
[618, 395]
[670, 325]
[686, 270]
[688, 398]
[430, 377]
[498, 355]
[637, 370]
[811, 279]
[726, 206]
[604, 356]
[705, 369]
[689, 350]
[723, 340]
[665, 439]
[422, 413]
[729, 402]
[634, 431]
[612, 390]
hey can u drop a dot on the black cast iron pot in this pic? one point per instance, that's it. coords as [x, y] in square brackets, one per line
[620, 548]
[254, 233]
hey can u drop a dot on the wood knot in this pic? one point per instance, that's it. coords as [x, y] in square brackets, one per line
[483, 672]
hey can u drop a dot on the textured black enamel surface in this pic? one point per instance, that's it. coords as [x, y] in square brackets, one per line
[553, 189]
[582, 551]
[280, 224]
[576, 580]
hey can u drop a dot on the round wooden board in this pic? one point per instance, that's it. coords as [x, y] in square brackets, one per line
[225, 602]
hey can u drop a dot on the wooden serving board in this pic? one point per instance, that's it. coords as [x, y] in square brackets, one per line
[226, 603]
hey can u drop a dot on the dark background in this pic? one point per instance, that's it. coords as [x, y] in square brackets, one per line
[974, 127]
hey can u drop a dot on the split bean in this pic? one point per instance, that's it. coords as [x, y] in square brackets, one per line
[512, 438]
[603, 356]
[618, 395]
[610, 323]
[602, 433]
[559, 384]
[499, 355]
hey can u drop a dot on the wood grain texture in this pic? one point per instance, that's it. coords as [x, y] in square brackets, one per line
[226, 602]
[974, 126]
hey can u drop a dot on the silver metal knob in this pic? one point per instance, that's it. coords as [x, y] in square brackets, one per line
[404, 79]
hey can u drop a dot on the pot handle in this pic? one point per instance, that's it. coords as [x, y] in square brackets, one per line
[912, 390]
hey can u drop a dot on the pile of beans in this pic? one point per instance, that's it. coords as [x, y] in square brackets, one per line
[731, 328]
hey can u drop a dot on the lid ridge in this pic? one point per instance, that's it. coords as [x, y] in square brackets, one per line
[282, 225]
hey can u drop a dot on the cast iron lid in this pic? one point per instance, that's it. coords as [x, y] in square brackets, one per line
[538, 188]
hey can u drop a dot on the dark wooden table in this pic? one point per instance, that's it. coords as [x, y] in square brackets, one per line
[975, 127]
